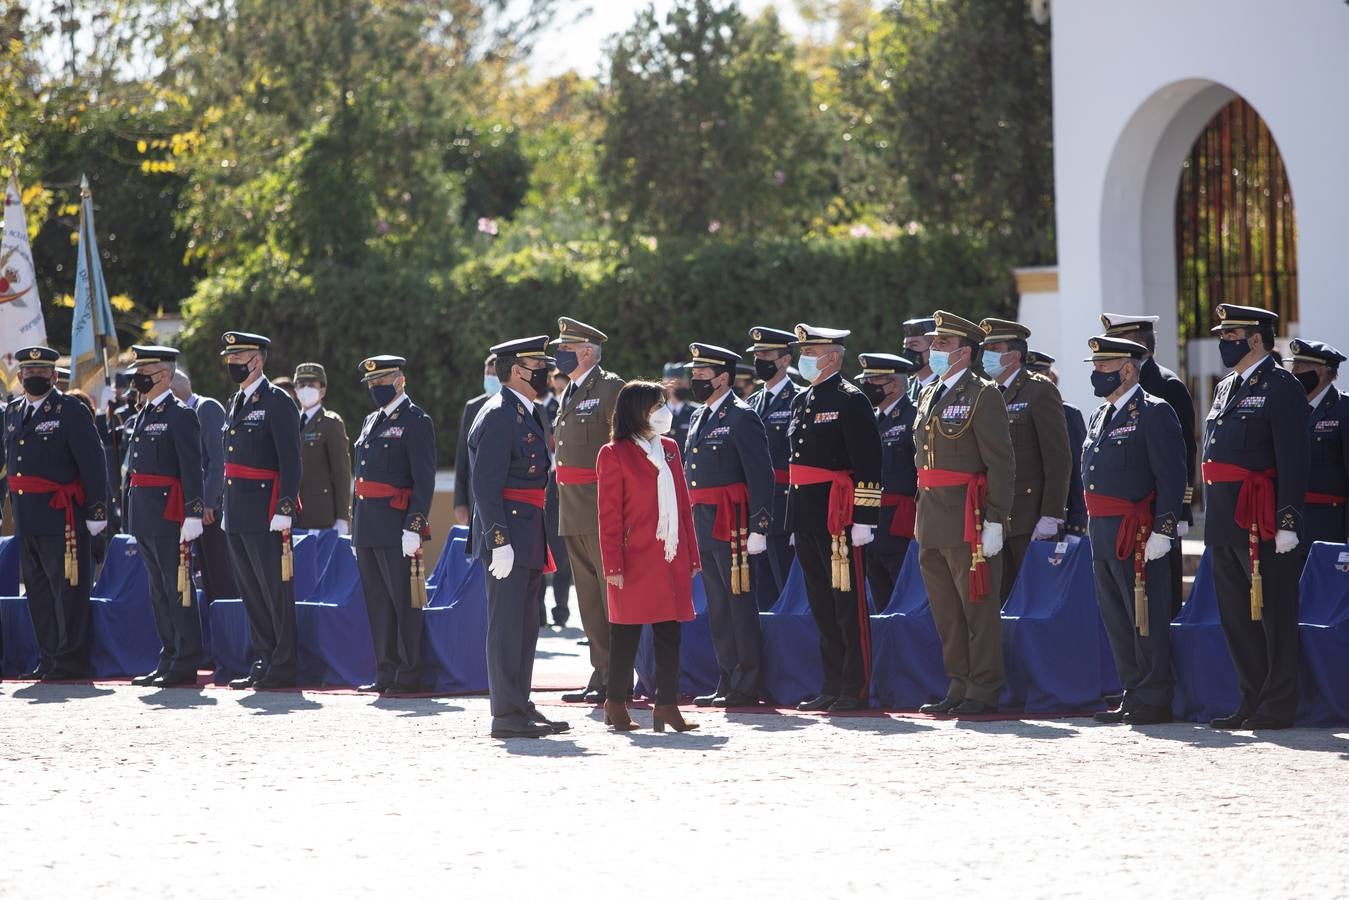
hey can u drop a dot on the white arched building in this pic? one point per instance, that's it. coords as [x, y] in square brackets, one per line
[1135, 82]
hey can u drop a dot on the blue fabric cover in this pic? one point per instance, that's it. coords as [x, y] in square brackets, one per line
[791, 645]
[1206, 682]
[333, 630]
[906, 667]
[697, 660]
[9, 566]
[454, 635]
[123, 638]
[1324, 634]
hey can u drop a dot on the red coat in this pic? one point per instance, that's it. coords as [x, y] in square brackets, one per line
[653, 590]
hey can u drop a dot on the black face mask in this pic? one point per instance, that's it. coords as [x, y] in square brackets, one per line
[1309, 381]
[914, 356]
[238, 372]
[144, 383]
[382, 394]
[538, 381]
[875, 392]
[701, 389]
[1105, 383]
[37, 385]
[1234, 352]
[766, 369]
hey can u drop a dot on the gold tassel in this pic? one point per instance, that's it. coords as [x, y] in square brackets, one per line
[72, 559]
[836, 577]
[185, 574]
[844, 571]
[735, 562]
[1141, 607]
[1257, 591]
[287, 560]
[418, 582]
[744, 560]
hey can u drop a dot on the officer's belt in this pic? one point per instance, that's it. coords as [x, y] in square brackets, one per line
[1254, 512]
[534, 497]
[976, 496]
[840, 492]
[1318, 499]
[781, 476]
[398, 497]
[174, 509]
[725, 498]
[901, 525]
[576, 475]
[64, 496]
[238, 470]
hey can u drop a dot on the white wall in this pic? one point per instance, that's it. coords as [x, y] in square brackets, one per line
[1134, 83]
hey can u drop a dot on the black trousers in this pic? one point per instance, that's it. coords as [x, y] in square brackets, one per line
[178, 626]
[60, 611]
[1264, 652]
[734, 618]
[561, 579]
[512, 639]
[1143, 663]
[395, 627]
[779, 557]
[623, 641]
[841, 616]
[883, 570]
[268, 601]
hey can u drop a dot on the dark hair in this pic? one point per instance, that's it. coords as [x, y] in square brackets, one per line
[1145, 336]
[630, 411]
[82, 397]
[1017, 345]
[1266, 333]
[503, 366]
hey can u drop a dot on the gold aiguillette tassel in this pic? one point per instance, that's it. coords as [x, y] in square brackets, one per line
[744, 560]
[287, 560]
[185, 574]
[72, 560]
[1141, 608]
[735, 562]
[836, 576]
[1257, 591]
[418, 579]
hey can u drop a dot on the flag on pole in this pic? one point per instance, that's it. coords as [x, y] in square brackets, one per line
[21, 322]
[93, 336]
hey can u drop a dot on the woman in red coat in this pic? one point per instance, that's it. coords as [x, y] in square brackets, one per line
[648, 548]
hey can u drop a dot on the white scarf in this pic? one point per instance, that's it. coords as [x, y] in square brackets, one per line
[667, 517]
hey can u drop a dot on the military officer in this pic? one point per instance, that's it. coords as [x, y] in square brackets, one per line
[164, 512]
[1075, 526]
[833, 509]
[211, 550]
[508, 445]
[1255, 460]
[463, 481]
[1162, 382]
[883, 381]
[582, 428]
[396, 466]
[679, 399]
[963, 450]
[916, 347]
[57, 479]
[262, 479]
[1134, 466]
[1315, 366]
[773, 403]
[744, 381]
[325, 455]
[1039, 442]
[730, 478]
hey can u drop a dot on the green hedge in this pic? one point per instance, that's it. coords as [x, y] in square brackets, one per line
[652, 300]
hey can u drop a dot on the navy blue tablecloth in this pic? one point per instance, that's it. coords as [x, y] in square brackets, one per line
[906, 669]
[1206, 682]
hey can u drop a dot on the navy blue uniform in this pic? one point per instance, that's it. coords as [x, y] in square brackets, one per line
[899, 477]
[1162, 382]
[262, 431]
[397, 449]
[1130, 453]
[728, 446]
[1076, 523]
[166, 442]
[1328, 475]
[508, 448]
[60, 443]
[1260, 424]
[679, 427]
[775, 411]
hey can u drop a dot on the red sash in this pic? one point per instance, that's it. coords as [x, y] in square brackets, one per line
[725, 498]
[901, 525]
[840, 492]
[64, 496]
[534, 497]
[1320, 499]
[237, 470]
[173, 506]
[1135, 526]
[398, 497]
[976, 495]
[576, 475]
[1254, 512]
[781, 476]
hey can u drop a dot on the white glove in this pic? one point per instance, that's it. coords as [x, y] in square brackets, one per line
[96, 528]
[756, 544]
[1158, 546]
[503, 560]
[992, 539]
[190, 531]
[863, 535]
[1285, 541]
[279, 523]
[1045, 529]
[412, 542]
[342, 527]
[1182, 529]
[791, 539]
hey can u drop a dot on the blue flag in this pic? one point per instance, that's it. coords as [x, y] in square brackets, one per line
[93, 335]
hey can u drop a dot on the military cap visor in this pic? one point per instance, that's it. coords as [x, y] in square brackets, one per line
[945, 324]
[1315, 352]
[239, 341]
[572, 331]
[765, 338]
[876, 364]
[1038, 360]
[37, 356]
[918, 327]
[814, 335]
[1116, 324]
[710, 355]
[313, 371]
[527, 348]
[1104, 347]
[152, 355]
[377, 366]
[1003, 330]
[1232, 316]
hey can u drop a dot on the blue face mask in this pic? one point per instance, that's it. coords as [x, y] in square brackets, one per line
[809, 367]
[491, 384]
[993, 363]
[939, 361]
[567, 361]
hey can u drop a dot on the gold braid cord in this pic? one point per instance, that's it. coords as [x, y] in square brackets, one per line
[287, 559]
[185, 574]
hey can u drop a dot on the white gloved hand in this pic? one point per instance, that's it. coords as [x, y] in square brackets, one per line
[992, 539]
[342, 527]
[1182, 529]
[791, 539]
[1285, 541]
[190, 531]
[756, 544]
[863, 535]
[412, 542]
[1158, 546]
[1046, 529]
[96, 528]
[279, 523]
[503, 560]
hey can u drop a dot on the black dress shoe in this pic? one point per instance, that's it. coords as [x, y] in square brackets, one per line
[176, 679]
[556, 727]
[594, 695]
[35, 674]
[941, 707]
[528, 730]
[374, 687]
[818, 703]
[403, 690]
[847, 704]
[147, 679]
[1147, 715]
[271, 682]
[708, 699]
[735, 700]
[1229, 723]
[971, 707]
[64, 675]
[1264, 722]
[1111, 716]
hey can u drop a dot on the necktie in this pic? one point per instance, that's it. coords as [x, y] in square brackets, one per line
[1002, 388]
[238, 405]
[28, 415]
[941, 390]
[374, 426]
[566, 395]
[1109, 414]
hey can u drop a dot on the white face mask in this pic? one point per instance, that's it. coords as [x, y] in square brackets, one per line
[308, 397]
[661, 420]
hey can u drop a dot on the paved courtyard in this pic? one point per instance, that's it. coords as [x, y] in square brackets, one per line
[113, 791]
